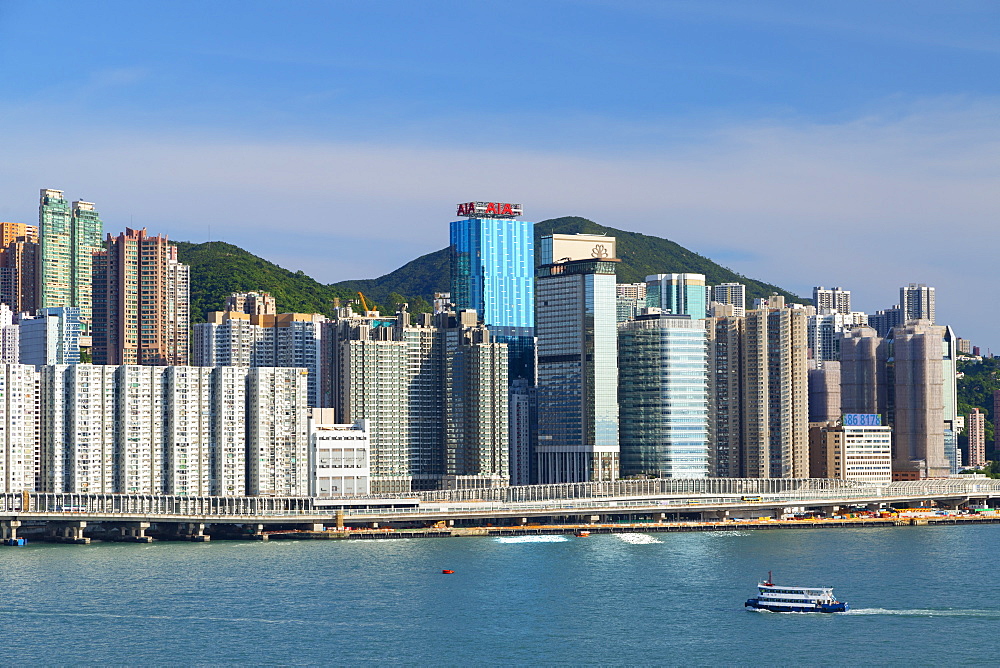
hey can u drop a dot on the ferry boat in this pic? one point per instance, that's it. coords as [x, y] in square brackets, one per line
[794, 599]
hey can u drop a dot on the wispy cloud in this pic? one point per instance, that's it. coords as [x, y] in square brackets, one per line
[906, 193]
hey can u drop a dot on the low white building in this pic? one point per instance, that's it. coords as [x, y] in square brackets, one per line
[861, 451]
[341, 456]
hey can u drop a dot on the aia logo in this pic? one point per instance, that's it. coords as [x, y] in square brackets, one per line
[489, 209]
[599, 251]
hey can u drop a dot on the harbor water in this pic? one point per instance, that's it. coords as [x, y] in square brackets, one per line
[919, 596]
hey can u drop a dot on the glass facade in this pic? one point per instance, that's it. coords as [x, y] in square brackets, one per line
[493, 264]
[681, 294]
[577, 372]
[492, 272]
[663, 393]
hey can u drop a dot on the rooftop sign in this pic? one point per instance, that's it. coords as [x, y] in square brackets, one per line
[862, 420]
[489, 210]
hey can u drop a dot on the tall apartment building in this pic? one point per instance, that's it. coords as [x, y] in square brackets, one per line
[19, 421]
[976, 424]
[883, 321]
[662, 392]
[734, 294]
[759, 390]
[68, 239]
[725, 338]
[141, 302]
[79, 429]
[909, 378]
[916, 302]
[577, 360]
[523, 411]
[863, 373]
[832, 300]
[231, 338]
[187, 435]
[681, 294]
[776, 394]
[824, 333]
[9, 337]
[18, 266]
[492, 264]
[917, 403]
[52, 336]
[631, 300]
[278, 432]
[251, 303]
[434, 393]
[189, 431]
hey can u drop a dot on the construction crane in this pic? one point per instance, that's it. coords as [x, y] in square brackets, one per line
[364, 302]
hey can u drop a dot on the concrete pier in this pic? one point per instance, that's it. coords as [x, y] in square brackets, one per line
[256, 532]
[8, 530]
[69, 532]
[135, 532]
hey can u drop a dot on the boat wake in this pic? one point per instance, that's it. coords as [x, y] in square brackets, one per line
[637, 538]
[992, 614]
[531, 539]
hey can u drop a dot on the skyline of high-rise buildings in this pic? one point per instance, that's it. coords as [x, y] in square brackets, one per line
[558, 374]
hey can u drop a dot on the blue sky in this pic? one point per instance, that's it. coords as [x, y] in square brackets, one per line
[820, 143]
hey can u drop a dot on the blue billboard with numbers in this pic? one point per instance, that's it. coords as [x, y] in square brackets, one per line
[862, 420]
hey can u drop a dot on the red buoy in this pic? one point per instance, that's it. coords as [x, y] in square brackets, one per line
[447, 572]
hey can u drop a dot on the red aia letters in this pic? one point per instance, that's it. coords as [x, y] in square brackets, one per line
[486, 208]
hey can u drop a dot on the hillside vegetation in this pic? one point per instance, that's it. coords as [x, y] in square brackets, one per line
[975, 390]
[218, 269]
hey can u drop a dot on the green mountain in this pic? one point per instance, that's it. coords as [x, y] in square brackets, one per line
[218, 269]
[641, 256]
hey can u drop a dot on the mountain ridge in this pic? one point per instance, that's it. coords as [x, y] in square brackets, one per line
[219, 268]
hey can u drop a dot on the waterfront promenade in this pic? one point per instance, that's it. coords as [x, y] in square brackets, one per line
[71, 517]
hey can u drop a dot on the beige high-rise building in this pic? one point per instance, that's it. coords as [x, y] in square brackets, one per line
[918, 415]
[252, 303]
[142, 302]
[12, 231]
[759, 394]
[776, 393]
[976, 424]
[18, 270]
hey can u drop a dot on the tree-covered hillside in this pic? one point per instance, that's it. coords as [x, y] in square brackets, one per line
[642, 255]
[218, 269]
[975, 390]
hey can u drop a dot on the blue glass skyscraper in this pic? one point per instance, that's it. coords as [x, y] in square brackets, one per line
[492, 271]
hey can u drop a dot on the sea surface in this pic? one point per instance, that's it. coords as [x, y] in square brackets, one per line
[920, 596]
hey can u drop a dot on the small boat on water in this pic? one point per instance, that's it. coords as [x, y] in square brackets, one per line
[779, 598]
[582, 534]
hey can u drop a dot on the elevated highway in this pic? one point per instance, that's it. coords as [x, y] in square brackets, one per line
[69, 517]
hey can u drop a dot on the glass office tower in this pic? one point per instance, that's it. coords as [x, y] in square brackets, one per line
[683, 294]
[662, 394]
[492, 272]
[577, 363]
